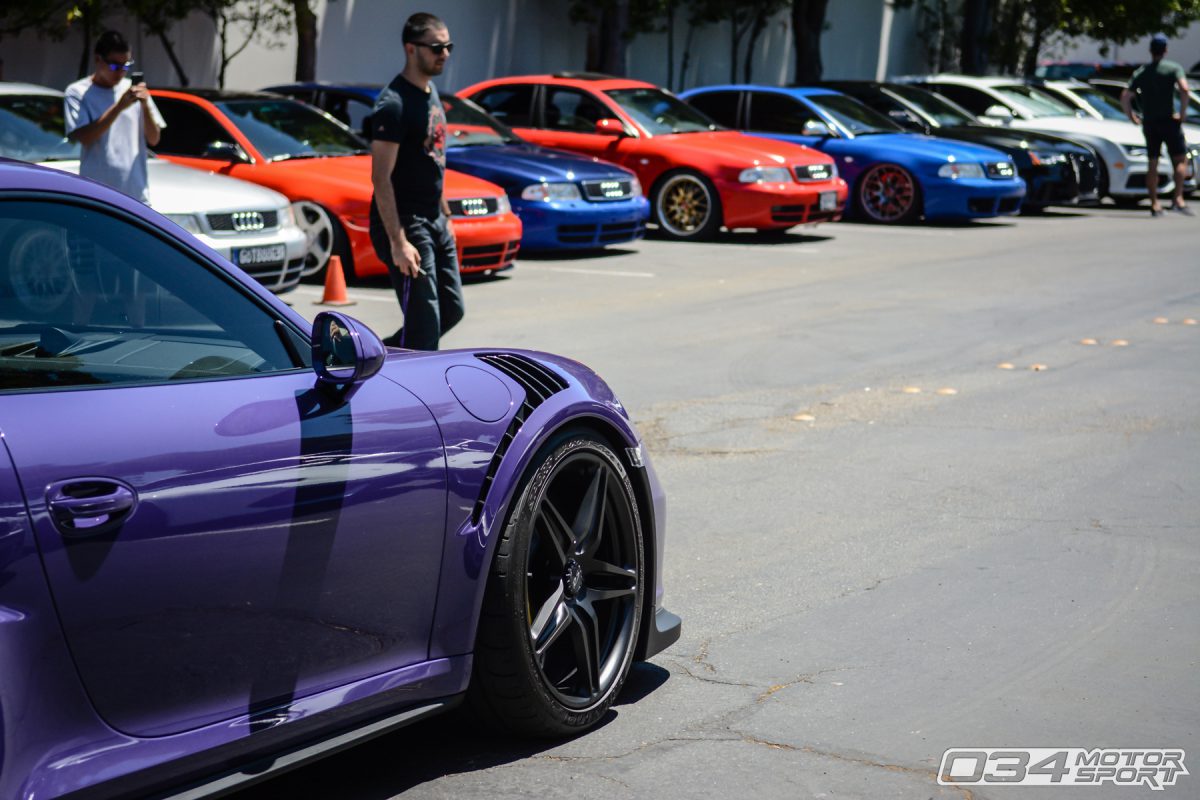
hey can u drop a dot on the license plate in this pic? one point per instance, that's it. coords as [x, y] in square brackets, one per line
[828, 201]
[268, 254]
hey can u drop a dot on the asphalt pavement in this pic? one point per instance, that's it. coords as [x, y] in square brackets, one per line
[929, 487]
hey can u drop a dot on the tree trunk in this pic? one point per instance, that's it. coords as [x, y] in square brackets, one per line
[808, 23]
[670, 44]
[733, 43]
[760, 24]
[685, 62]
[306, 41]
[975, 30]
[170, 48]
[85, 57]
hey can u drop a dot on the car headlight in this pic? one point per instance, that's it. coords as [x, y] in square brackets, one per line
[635, 186]
[186, 221]
[954, 171]
[1134, 151]
[1047, 159]
[765, 175]
[287, 216]
[502, 204]
[550, 192]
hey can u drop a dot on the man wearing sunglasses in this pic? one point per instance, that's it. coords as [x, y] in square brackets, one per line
[410, 220]
[113, 119]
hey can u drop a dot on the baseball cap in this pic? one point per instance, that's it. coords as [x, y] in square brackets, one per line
[1158, 43]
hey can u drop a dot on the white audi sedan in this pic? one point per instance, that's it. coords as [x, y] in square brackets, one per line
[252, 226]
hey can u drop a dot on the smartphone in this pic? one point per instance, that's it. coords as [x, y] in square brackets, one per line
[137, 77]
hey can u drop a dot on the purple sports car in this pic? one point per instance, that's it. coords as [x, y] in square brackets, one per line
[230, 541]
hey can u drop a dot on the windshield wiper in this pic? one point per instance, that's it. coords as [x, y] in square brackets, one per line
[295, 156]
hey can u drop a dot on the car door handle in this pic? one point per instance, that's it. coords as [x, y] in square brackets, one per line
[89, 506]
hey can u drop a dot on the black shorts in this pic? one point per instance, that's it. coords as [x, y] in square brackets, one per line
[1164, 131]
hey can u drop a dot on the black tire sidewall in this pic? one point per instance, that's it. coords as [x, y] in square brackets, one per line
[715, 214]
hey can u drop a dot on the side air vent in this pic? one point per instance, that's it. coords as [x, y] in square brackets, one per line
[539, 384]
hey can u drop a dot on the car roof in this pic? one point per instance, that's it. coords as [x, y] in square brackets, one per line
[217, 95]
[580, 80]
[13, 87]
[796, 91]
[356, 88]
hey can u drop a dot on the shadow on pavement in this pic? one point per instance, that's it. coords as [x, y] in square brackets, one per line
[449, 745]
[575, 255]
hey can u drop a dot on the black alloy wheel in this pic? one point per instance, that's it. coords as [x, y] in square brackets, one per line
[563, 603]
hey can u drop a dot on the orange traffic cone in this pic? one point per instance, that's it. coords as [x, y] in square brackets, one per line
[335, 285]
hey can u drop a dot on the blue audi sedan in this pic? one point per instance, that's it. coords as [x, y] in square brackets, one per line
[895, 177]
[564, 200]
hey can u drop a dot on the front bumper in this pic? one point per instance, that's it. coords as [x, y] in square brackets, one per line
[969, 198]
[581, 224]
[779, 205]
[487, 244]
[664, 632]
[278, 276]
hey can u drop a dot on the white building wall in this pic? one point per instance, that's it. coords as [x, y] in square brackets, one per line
[359, 41]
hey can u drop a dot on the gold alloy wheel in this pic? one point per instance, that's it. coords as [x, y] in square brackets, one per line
[684, 205]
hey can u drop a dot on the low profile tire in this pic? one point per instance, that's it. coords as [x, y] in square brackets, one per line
[325, 238]
[563, 602]
[888, 194]
[39, 276]
[686, 206]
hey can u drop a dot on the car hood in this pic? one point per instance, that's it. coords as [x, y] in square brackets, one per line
[352, 174]
[921, 146]
[183, 190]
[1123, 133]
[526, 163]
[1011, 138]
[738, 150]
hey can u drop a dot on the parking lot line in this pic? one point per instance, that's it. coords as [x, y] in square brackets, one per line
[580, 271]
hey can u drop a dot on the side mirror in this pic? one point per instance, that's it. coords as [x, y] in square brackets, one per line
[345, 351]
[814, 127]
[610, 127]
[226, 151]
[998, 112]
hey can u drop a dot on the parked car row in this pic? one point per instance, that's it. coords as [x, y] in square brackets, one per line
[581, 160]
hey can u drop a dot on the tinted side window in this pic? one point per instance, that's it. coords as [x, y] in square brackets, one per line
[512, 105]
[89, 298]
[972, 100]
[190, 129]
[721, 106]
[779, 114]
[573, 110]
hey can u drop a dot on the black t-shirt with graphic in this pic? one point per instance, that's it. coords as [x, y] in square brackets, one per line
[415, 120]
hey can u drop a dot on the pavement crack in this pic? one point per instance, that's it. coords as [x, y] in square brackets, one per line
[808, 678]
[865, 762]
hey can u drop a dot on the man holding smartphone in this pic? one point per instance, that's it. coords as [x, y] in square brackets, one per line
[111, 115]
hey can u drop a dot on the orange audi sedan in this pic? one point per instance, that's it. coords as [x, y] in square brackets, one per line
[325, 170]
[697, 174]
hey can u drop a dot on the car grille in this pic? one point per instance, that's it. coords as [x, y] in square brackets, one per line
[608, 190]
[600, 234]
[489, 256]
[278, 276]
[474, 207]
[799, 214]
[540, 383]
[1000, 170]
[243, 221]
[814, 172]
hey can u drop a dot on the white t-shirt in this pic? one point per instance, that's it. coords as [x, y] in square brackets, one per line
[118, 158]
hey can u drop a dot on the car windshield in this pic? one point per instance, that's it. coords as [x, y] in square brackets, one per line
[1037, 104]
[283, 129]
[1108, 107]
[660, 113]
[468, 125]
[853, 115]
[31, 128]
[943, 111]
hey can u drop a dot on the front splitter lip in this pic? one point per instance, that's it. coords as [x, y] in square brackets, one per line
[663, 633]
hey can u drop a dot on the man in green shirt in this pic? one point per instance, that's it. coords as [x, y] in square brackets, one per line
[1155, 84]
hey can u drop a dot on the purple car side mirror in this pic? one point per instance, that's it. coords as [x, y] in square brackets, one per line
[345, 351]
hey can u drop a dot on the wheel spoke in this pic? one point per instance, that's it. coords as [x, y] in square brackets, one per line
[558, 531]
[589, 520]
[585, 635]
[607, 581]
[552, 619]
